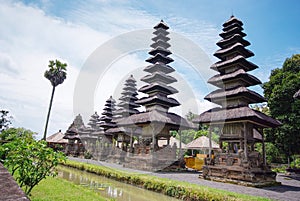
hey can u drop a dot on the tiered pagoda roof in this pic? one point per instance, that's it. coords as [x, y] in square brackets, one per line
[158, 88]
[127, 106]
[78, 122]
[233, 79]
[158, 81]
[106, 121]
[73, 130]
[93, 122]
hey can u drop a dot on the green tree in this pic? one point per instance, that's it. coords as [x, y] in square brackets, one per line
[56, 74]
[5, 120]
[264, 108]
[29, 160]
[279, 91]
[273, 153]
[190, 116]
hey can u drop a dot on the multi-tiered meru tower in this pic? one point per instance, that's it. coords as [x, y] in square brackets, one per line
[240, 127]
[156, 122]
[158, 80]
[127, 107]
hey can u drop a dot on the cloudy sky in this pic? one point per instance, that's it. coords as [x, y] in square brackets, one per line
[107, 40]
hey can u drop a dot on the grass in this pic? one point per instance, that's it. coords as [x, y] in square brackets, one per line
[181, 190]
[58, 189]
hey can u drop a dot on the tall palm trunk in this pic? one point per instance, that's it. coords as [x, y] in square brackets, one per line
[50, 106]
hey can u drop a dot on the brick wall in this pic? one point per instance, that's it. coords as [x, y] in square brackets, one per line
[9, 189]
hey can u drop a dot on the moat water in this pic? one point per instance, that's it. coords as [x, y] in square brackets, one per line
[109, 188]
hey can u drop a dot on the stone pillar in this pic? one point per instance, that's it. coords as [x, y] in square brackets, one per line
[153, 141]
[245, 141]
[263, 149]
[210, 144]
[180, 143]
[131, 141]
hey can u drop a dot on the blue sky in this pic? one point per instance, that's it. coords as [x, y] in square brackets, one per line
[33, 32]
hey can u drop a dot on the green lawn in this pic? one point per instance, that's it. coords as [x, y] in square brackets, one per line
[57, 189]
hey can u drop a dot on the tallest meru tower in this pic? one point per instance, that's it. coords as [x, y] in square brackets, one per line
[240, 127]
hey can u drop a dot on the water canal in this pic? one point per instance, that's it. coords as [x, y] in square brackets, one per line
[109, 188]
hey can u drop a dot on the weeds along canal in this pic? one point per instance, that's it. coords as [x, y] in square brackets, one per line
[109, 188]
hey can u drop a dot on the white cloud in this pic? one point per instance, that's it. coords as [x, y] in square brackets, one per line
[9, 66]
[29, 39]
[31, 36]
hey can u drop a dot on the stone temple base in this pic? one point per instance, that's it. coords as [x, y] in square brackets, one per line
[148, 163]
[254, 177]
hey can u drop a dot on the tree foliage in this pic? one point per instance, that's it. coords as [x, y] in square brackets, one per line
[189, 135]
[29, 160]
[5, 120]
[283, 84]
[56, 74]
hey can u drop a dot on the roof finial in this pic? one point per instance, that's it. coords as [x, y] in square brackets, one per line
[232, 16]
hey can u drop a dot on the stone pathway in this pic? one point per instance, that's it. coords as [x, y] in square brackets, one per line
[288, 191]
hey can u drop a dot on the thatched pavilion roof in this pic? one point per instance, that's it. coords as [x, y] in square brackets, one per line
[57, 138]
[136, 132]
[155, 116]
[173, 140]
[202, 143]
[219, 115]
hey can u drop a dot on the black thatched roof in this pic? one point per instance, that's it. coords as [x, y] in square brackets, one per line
[249, 80]
[160, 50]
[159, 77]
[162, 44]
[221, 94]
[125, 130]
[158, 100]
[160, 58]
[158, 87]
[246, 65]
[161, 36]
[221, 115]
[232, 20]
[234, 30]
[236, 48]
[162, 25]
[231, 40]
[159, 66]
[155, 116]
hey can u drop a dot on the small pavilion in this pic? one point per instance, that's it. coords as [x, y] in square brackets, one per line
[57, 141]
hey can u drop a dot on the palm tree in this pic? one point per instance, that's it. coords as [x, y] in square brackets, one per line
[56, 74]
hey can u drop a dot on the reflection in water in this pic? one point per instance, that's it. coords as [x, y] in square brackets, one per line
[110, 188]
